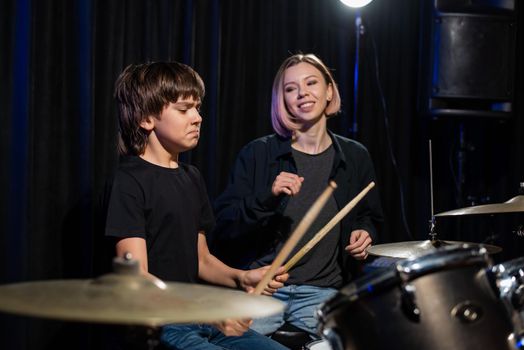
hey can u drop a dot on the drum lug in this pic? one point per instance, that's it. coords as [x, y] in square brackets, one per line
[408, 304]
[467, 312]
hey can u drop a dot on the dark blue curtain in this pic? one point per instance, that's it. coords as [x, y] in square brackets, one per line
[58, 63]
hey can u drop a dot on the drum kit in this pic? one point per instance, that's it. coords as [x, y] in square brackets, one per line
[438, 295]
[449, 299]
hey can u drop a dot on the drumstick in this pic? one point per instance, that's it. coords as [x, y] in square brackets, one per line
[327, 228]
[297, 234]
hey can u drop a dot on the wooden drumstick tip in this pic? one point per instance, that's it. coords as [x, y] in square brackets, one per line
[333, 184]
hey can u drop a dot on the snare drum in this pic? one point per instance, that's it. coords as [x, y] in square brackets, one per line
[441, 300]
[317, 345]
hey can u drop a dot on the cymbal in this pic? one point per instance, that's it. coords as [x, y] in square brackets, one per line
[515, 204]
[410, 249]
[132, 299]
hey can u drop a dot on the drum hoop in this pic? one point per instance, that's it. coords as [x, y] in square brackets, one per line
[511, 268]
[345, 295]
[446, 257]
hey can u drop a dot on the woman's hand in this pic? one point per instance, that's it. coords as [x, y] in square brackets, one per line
[359, 242]
[287, 183]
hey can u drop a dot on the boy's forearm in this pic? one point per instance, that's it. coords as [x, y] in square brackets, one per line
[212, 270]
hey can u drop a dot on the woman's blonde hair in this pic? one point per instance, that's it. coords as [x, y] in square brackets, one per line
[282, 121]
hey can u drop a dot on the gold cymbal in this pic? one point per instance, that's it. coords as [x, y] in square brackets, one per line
[515, 204]
[132, 299]
[410, 249]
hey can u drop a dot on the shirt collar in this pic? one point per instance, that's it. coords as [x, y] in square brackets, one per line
[284, 148]
[339, 155]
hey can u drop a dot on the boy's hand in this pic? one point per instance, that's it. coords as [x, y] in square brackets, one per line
[233, 327]
[251, 278]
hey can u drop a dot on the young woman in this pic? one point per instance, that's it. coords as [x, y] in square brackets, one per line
[275, 180]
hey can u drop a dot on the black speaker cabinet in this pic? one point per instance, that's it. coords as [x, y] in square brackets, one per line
[471, 58]
[474, 57]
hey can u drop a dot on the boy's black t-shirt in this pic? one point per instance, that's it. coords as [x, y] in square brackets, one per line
[167, 207]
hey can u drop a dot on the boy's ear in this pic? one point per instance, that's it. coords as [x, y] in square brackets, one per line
[148, 123]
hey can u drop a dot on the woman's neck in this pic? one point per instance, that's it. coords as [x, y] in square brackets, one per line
[313, 140]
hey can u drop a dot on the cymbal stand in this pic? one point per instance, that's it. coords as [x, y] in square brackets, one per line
[132, 337]
[432, 232]
[520, 228]
[152, 338]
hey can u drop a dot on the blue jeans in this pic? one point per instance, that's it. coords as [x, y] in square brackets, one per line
[206, 337]
[301, 305]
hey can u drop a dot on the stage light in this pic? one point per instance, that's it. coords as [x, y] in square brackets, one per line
[355, 3]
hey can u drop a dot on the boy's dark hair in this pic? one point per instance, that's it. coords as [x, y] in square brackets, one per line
[144, 90]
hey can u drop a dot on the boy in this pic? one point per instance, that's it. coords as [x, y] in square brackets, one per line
[159, 210]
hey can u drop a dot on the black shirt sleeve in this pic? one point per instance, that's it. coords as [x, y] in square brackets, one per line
[125, 215]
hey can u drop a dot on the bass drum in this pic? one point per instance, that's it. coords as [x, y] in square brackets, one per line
[442, 300]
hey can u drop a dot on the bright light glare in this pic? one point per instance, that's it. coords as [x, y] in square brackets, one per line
[355, 3]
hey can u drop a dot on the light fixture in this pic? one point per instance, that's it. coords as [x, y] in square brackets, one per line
[355, 3]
